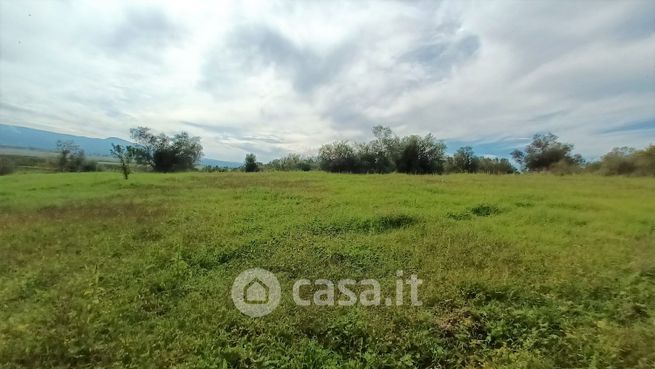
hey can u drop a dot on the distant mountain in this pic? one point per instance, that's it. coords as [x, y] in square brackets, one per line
[36, 139]
[219, 163]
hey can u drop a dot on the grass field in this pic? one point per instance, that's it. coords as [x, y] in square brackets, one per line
[39, 161]
[525, 271]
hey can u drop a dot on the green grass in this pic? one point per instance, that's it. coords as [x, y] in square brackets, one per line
[39, 161]
[520, 271]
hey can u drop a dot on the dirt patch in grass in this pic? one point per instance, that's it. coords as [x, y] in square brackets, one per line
[83, 212]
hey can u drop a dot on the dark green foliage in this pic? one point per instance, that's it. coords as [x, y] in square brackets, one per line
[72, 159]
[378, 156]
[646, 161]
[545, 152]
[250, 164]
[627, 161]
[165, 154]
[465, 161]
[338, 157]
[412, 154]
[293, 162]
[216, 168]
[388, 152]
[7, 166]
[495, 166]
[421, 155]
[68, 155]
[619, 161]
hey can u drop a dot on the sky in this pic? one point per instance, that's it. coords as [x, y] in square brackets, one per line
[273, 77]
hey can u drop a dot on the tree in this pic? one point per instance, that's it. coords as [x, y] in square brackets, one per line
[621, 160]
[412, 154]
[545, 151]
[465, 161]
[72, 159]
[166, 154]
[646, 161]
[421, 155]
[250, 164]
[628, 161]
[7, 166]
[384, 149]
[293, 162]
[495, 166]
[338, 157]
[65, 150]
[366, 158]
[124, 154]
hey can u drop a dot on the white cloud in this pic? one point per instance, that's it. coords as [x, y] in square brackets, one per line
[274, 77]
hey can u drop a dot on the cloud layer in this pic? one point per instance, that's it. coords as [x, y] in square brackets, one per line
[274, 77]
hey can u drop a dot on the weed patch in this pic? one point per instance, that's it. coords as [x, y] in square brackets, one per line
[484, 210]
[377, 224]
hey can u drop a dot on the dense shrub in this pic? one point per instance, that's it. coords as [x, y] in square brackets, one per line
[545, 152]
[338, 157]
[166, 154]
[7, 166]
[411, 154]
[495, 166]
[627, 161]
[464, 161]
[73, 159]
[293, 162]
[379, 155]
[250, 164]
[216, 168]
[646, 161]
[421, 155]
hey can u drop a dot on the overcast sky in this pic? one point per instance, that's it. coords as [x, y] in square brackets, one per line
[274, 77]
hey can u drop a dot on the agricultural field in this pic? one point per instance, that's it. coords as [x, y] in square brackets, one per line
[519, 271]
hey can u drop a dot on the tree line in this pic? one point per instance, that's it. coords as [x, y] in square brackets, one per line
[426, 155]
[410, 154]
[385, 153]
[414, 154]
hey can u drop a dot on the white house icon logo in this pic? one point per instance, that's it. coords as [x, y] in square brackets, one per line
[256, 292]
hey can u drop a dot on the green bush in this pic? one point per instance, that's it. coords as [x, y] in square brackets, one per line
[250, 164]
[7, 166]
[628, 161]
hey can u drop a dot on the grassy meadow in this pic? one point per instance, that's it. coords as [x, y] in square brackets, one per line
[523, 271]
